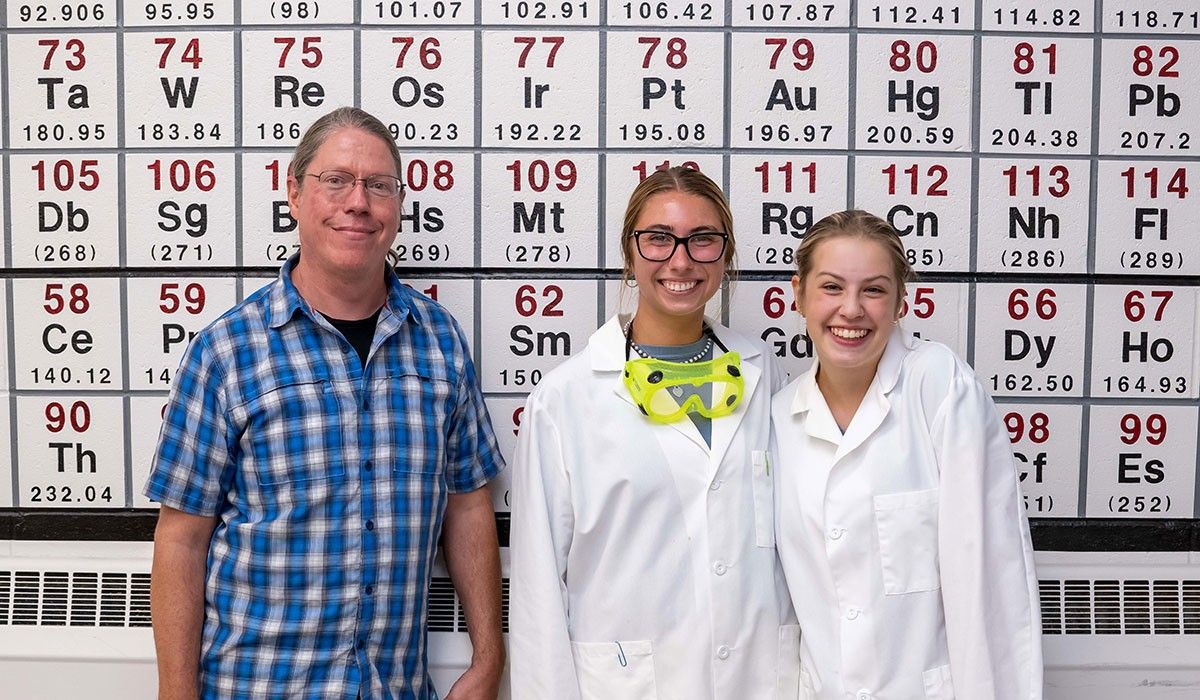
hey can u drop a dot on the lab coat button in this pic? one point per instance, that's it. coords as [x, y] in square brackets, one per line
[863, 695]
[719, 568]
[722, 652]
[835, 533]
[852, 614]
[716, 484]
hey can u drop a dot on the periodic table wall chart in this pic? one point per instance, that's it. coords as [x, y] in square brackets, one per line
[1039, 159]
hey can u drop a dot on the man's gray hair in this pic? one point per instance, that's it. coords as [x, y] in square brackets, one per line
[340, 118]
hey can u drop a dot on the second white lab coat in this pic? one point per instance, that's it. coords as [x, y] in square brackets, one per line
[904, 540]
[643, 563]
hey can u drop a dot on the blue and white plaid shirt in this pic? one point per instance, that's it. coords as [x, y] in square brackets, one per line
[330, 480]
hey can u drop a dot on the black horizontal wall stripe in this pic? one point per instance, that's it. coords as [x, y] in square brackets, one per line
[1050, 535]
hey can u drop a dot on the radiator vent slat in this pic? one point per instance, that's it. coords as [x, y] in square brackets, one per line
[139, 600]
[1050, 593]
[1107, 602]
[1191, 607]
[6, 590]
[442, 603]
[1079, 606]
[1137, 607]
[25, 597]
[54, 598]
[1106, 597]
[504, 588]
[114, 599]
[1166, 607]
[85, 589]
[1072, 606]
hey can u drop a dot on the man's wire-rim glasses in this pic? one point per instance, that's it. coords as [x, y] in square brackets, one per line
[340, 183]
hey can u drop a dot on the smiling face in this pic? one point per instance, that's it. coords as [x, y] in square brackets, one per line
[850, 299]
[344, 235]
[672, 293]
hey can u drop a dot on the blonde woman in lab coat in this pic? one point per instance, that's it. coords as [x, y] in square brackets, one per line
[900, 522]
[643, 560]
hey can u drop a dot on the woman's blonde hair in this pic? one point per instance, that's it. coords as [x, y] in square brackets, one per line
[863, 224]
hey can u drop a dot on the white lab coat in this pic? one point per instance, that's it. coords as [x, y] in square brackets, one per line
[904, 541]
[643, 564]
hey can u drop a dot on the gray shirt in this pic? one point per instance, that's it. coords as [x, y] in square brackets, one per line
[679, 353]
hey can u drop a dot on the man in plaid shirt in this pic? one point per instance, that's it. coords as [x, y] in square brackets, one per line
[318, 438]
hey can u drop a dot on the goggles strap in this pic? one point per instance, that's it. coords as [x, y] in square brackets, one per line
[715, 338]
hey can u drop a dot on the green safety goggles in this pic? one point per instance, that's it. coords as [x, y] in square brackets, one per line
[648, 380]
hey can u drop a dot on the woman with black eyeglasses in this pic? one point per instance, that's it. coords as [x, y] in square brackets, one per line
[643, 550]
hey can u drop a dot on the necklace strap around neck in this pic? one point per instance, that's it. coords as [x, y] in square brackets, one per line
[706, 333]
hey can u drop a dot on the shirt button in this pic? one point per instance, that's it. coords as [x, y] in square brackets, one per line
[719, 568]
[852, 613]
[716, 484]
[722, 652]
[368, 466]
[366, 405]
[835, 533]
[370, 590]
[361, 644]
[370, 524]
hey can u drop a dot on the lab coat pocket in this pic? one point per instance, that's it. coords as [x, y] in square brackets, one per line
[938, 685]
[764, 499]
[787, 664]
[908, 546]
[615, 670]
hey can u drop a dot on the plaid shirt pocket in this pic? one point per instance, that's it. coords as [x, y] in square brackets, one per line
[295, 434]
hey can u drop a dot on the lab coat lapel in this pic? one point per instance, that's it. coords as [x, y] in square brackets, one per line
[815, 419]
[871, 412]
[680, 428]
[819, 422]
[608, 355]
[723, 429]
[685, 427]
[681, 443]
[875, 405]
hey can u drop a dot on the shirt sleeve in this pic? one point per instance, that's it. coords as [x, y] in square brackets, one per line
[194, 461]
[541, 662]
[989, 587]
[472, 454]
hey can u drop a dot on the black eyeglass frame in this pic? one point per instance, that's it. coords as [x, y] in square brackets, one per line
[355, 180]
[680, 240]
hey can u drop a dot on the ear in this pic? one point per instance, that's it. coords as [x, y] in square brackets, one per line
[293, 193]
[798, 294]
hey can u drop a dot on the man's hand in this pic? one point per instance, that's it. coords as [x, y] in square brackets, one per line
[477, 683]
